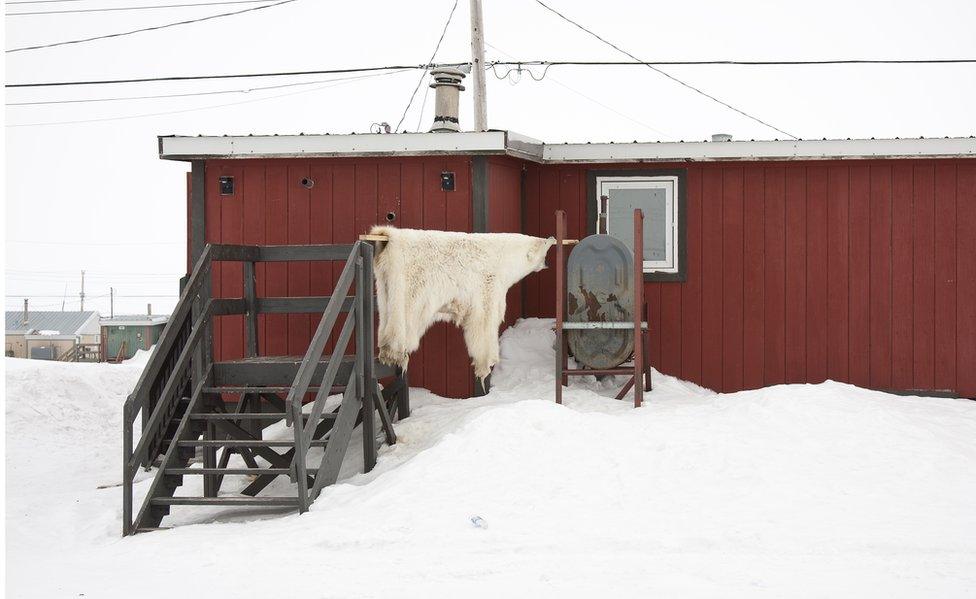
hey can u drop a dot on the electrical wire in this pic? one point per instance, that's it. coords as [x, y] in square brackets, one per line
[657, 70]
[234, 76]
[429, 65]
[153, 28]
[580, 94]
[127, 8]
[748, 63]
[189, 94]
[211, 107]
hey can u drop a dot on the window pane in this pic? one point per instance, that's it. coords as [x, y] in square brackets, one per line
[654, 203]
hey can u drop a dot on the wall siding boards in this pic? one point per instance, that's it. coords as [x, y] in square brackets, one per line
[857, 271]
[861, 271]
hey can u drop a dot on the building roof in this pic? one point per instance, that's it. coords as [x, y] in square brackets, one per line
[173, 147]
[134, 320]
[65, 323]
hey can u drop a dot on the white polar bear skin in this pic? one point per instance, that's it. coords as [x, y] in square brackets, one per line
[423, 277]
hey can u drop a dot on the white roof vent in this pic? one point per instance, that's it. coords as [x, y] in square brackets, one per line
[721, 137]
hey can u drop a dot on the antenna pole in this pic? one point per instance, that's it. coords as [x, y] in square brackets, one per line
[111, 302]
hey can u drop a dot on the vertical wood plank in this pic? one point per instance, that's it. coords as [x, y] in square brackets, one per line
[691, 291]
[966, 276]
[732, 278]
[412, 208]
[796, 278]
[531, 215]
[549, 203]
[320, 231]
[817, 313]
[838, 226]
[231, 273]
[902, 367]
[859, 340]
[276, 218]
[299, 332]
[753, 258]
[671, 329]
[923, 279]
[458, 217]
[774, 364]
[255, 233]
[652, 316]
[712, 367]
[212, 234]
[434, 342]
[945, 276]
[881, 276]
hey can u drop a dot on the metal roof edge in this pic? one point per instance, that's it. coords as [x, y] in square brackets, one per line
[829, 149]
[173, 147]
[502, 142]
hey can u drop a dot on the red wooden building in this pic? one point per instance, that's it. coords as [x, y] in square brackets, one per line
[772, 261]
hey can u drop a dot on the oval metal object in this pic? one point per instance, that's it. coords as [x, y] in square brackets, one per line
[599, 281]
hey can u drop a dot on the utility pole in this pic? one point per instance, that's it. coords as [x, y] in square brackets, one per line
[478, 67]
[82, 294]
[111, 302]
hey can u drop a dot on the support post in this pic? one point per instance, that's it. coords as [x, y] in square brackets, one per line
[638, 307]
[364, 349]
[478, 67]
[403, 395]
[560, 303]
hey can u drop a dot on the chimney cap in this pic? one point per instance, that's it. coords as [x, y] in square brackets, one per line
[447, 76]
[721, 137]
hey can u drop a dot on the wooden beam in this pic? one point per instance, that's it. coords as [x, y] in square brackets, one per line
[386, 238]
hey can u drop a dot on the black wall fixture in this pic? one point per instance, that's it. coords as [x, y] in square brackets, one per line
[447, 181]
[226, 186]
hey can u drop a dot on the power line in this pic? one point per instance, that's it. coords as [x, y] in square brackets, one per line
[42, 1]
[126, 8]
[429, 63]
[153, 28]
[211, 107]
[577, 92]
[235, 76]
[625, 63]
[191, 94]
[657, 70]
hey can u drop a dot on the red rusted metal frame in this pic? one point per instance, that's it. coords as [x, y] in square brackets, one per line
[561, 353]
[640, 367]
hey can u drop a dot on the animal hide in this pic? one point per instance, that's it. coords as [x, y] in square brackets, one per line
[423, 277]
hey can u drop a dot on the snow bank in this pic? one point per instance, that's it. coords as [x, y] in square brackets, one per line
[799, 491]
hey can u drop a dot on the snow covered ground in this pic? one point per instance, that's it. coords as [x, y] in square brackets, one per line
[792, 491]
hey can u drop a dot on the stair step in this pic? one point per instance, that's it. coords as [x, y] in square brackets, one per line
[280, 371]
[289, 501]
[252, 416]
[269, 389]
[227, 471]
[244, 443]
[152, 528]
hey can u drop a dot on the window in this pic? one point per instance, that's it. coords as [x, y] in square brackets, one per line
[660, 194]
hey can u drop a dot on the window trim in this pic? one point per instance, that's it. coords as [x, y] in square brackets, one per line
[681, 205]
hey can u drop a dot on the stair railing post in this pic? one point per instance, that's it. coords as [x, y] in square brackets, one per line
[127, 474]
[364, 350]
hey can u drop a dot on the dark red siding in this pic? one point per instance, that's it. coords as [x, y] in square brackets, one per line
[270, 206]
[857, 271]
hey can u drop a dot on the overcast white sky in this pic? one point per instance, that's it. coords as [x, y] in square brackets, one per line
[86, 190]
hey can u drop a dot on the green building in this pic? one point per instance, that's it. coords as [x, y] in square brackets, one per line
[123, 336]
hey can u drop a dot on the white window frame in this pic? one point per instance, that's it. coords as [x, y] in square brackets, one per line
[671, 263]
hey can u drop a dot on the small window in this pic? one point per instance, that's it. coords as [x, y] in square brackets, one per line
[660, 195]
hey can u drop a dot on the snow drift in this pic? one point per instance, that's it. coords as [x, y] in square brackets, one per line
[799, 491]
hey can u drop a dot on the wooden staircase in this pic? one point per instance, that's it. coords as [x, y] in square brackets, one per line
[182, 395]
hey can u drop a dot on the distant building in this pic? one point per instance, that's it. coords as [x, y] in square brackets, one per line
[49, 335]
[123, 336]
